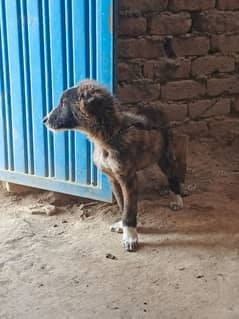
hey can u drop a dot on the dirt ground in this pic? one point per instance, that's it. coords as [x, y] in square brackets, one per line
[187, 265]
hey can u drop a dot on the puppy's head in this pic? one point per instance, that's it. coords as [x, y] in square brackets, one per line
[81, 107]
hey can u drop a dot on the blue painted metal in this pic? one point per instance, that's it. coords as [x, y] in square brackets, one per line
[47, 46]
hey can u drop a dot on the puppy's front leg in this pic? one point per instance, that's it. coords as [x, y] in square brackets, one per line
[129, 217]
[117, 192]
[116, 188]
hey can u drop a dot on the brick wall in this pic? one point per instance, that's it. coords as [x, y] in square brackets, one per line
[181, 54]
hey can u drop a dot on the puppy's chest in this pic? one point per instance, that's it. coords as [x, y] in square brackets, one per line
[103, 160]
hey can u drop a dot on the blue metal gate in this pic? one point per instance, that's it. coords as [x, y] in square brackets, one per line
[45, 47]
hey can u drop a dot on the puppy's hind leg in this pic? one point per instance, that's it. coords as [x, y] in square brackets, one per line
[168, 168]
[174, 185]
[117, 226]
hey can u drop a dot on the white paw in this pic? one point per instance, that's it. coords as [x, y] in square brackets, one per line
[117, 227]
[130, 238]
[177, 203]
[184, 190]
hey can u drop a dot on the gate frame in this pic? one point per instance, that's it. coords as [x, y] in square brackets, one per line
[103, 190]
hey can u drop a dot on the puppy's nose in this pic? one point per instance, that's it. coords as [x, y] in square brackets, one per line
[44, 120]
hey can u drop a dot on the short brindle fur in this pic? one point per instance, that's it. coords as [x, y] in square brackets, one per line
[124, 141]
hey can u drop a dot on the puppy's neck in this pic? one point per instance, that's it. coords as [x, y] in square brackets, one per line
[104, 132]
[102, 138]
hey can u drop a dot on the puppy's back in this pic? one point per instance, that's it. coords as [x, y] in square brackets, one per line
[155, 115]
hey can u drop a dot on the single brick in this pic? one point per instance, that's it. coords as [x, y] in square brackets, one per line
[194, 129]
[143, 5]
[225, 43]
[235, 104]
[167, 69]
[128, 71]
[228, 4]
[140, 48]
[191, 5]
[132, 26]
[181, 90]
[206, 108]
[138, 91]
[224, 85]
[176, 111]
[192, 46]
[223, 129]
[171, 23]
[216, 21]
[209, 64]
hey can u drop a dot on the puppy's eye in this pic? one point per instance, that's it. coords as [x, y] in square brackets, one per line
[63, 103]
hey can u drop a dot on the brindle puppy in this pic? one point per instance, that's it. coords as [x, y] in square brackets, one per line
[124, 142]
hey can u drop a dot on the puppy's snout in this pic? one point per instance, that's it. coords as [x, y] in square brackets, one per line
[45, 119]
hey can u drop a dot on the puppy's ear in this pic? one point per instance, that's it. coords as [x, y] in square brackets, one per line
[91, 102]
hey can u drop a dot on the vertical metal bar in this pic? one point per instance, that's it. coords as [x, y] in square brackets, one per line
[93, 75]
[88, 62]
[92, 38]
[20, 14]
[69, 80]
[6, 84]
[16, 80]
[3, 125]
[56, 26]
[27, 86]
[3, 128]
[80, 71]
[37, 87]
[64, 8]
[48, 82]
[104, 34]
